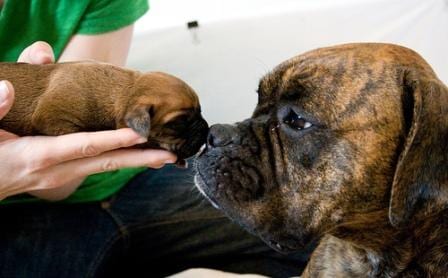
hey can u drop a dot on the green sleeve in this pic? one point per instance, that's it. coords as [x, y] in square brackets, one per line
[104, 16]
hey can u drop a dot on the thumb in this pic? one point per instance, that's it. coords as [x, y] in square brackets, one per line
[39, 52]
[6, 97]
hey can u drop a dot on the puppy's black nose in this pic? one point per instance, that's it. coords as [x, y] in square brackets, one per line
[222, 135]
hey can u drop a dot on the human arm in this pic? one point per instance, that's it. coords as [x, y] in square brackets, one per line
[111, 47]
[53, 167]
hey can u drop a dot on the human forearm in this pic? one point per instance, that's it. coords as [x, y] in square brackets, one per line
[53, 167]
[112, 47]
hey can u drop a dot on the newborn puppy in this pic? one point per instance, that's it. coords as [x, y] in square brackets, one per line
[62, 98]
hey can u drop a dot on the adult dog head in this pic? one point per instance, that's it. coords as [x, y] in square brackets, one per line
[338, 134]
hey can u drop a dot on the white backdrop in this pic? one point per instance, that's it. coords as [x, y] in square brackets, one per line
[238, 41]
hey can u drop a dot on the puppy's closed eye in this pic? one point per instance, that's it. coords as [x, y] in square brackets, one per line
[178, 123]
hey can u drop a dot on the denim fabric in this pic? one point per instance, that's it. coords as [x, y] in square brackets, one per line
[157, 225]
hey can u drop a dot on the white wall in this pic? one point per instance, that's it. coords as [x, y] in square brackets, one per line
[240, 40]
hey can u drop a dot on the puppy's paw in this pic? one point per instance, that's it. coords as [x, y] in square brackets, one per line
[139, 119]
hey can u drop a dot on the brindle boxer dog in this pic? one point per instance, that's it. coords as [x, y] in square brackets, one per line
[349, 145]
[63, 98]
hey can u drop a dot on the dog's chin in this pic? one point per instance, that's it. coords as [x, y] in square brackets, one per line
[205, 184]
[279, 246]
[202, 187]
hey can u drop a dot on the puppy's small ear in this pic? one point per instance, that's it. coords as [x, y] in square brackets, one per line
[139, 119]
[420, 184]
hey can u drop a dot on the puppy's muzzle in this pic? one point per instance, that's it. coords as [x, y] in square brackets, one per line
[194, 137]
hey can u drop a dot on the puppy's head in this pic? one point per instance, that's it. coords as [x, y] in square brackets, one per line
[166, 110]
[338, 133]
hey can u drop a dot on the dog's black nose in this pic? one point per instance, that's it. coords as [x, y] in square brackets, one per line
[221, 135]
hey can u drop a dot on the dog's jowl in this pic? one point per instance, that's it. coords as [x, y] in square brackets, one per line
[348, 145]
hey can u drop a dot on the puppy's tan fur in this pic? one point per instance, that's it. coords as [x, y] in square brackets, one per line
[56, 99]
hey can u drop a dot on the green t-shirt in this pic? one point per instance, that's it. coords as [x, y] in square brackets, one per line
[23, 22]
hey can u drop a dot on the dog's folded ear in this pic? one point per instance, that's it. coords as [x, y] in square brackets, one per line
[139, 119]
[420, 184]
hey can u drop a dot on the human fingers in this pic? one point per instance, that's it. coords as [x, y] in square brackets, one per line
[39, 52]
[54, 150]
[4, 135]
[118, 159]
[6, 97]
[66, 172]
[6, 101]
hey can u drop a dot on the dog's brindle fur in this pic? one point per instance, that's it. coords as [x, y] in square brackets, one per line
[369, 178]
[62, 98]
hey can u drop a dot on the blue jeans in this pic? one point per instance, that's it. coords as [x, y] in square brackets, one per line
[157, 225]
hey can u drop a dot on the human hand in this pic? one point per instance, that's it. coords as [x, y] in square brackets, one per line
[53, 167]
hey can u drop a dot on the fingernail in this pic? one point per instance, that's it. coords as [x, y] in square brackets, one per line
[141, 140]
[44, 57]
[4, 91]
[158, 166]
[170, 161]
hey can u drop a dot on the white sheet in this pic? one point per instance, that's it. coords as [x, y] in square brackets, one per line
[211, 273]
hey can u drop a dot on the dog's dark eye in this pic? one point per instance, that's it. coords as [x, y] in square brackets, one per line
[295, 121]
